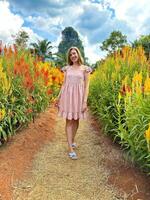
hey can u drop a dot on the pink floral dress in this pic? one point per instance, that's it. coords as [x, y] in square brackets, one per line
[72, 93]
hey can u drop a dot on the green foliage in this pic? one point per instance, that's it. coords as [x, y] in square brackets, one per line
[42, 49]
[143, 41]
[61, 59]
[21, 39]
[26, 88]
[115, 42]
[117, 99]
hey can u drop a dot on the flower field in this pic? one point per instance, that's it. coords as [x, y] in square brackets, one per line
[27, 87]
[120, 98]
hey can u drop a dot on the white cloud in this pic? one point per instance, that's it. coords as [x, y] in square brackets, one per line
[11, 23]
[92, 52]
[55, 44]
[97, 22]
[134, 12]
[41, 23]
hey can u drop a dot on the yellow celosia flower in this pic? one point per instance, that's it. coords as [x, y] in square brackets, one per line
[137, 78]
[137, 83]
[147, 134]
[4, 82]
[55, 76]
[117, 66]
[13, 99]
[119, 97]
[128, 93]
[138, 90]
[2, 114]
[147, 86]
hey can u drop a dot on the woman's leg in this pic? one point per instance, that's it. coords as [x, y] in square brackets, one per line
[75, 128]
[69, 133]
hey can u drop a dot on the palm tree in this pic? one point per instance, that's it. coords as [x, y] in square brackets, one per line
[43, 49]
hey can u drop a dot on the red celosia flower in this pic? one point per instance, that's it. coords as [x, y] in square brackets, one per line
[125, 89]
[49, 91]
[142, 89]
[46, 73]
[53, 78]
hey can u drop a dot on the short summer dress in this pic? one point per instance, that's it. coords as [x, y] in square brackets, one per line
[72, 93]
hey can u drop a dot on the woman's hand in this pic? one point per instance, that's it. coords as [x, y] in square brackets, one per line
[84, 106]
[56, 103]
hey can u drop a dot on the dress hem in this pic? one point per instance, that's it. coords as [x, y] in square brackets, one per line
[71, 115]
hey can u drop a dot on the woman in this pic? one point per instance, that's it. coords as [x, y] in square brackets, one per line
[72, 99]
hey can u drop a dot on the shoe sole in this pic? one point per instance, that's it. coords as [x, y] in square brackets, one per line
[73, 158]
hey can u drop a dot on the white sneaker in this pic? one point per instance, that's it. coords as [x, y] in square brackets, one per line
[74, 145]
[73, 155]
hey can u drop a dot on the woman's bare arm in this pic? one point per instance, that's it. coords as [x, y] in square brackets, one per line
[86, 87]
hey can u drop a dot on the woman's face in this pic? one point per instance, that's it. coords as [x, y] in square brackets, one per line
[74, 56]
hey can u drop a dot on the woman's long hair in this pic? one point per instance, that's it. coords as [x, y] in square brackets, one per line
[80, 59]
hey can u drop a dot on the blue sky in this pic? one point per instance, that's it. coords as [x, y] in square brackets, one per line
[94, 20]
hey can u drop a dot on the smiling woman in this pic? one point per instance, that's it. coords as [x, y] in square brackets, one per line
[72, 99]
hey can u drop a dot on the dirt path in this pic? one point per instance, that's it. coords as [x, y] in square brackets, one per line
[35, 165]
[17, 155]
[56, 177]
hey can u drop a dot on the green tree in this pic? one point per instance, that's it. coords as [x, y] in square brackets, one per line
[115, 42]
[42, 49]
[70, 38]
[21, 39]
[143, 41]
[61, 59]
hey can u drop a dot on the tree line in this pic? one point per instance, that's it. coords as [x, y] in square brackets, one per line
[43, 48]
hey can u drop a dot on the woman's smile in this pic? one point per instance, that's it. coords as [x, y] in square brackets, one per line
[74, 56]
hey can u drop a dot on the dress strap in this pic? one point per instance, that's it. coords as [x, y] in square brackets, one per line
[88, 69]
[64, 69]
